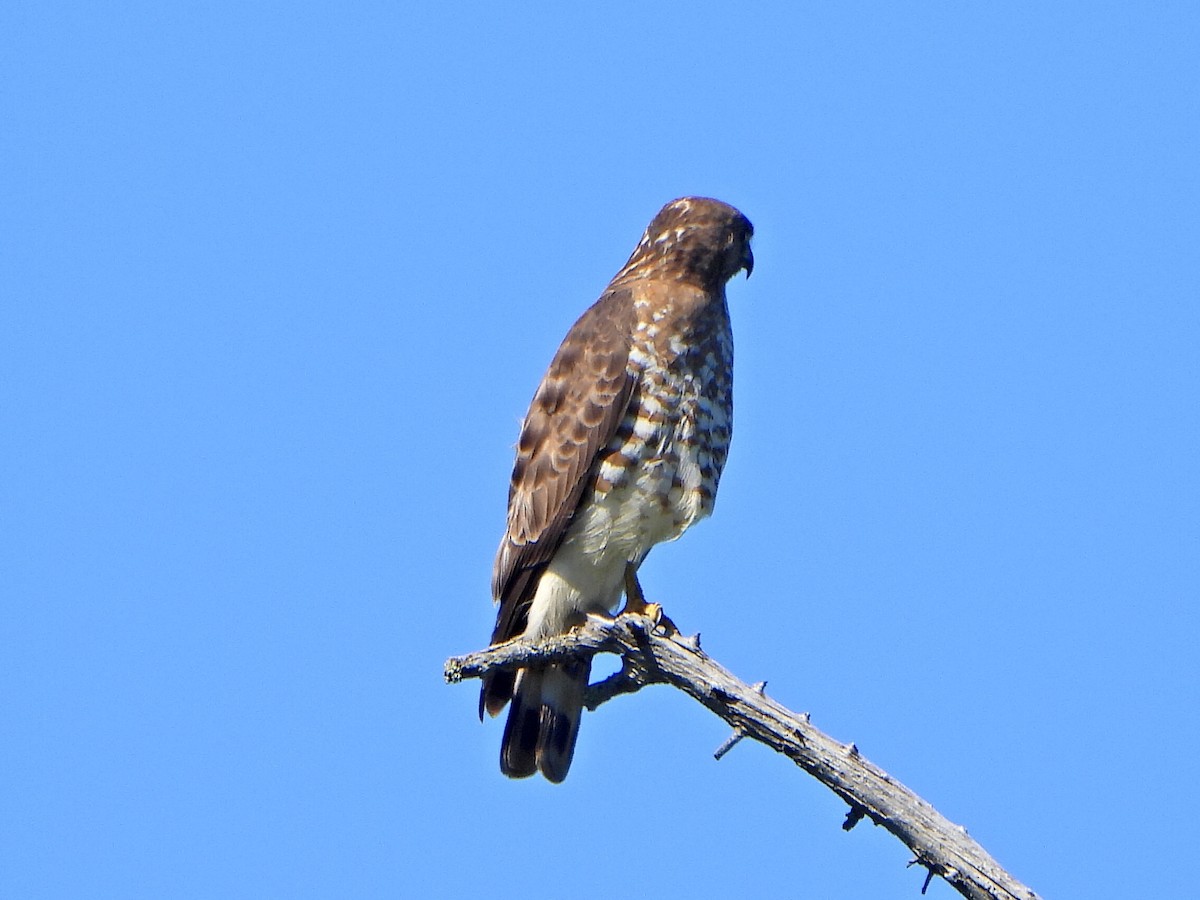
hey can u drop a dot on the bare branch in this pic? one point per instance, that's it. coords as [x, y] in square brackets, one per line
[652, 654]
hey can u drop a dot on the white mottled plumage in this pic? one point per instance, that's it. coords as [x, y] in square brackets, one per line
[656, 499]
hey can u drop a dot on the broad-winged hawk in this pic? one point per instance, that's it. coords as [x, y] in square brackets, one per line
[622, 448]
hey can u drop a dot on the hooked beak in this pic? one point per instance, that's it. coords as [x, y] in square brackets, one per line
[748, 260]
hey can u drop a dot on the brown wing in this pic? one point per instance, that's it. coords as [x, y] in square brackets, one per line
[573, 416]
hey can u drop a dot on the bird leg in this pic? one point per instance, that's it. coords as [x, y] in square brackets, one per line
[635, 601]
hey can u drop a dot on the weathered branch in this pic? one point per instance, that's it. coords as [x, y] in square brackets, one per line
[652, 654]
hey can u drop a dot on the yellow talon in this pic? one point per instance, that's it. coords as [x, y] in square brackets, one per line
[635, 603]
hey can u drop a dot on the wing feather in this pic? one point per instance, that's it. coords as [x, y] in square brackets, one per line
[574, 414]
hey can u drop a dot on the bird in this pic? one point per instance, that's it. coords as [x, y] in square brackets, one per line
[622, 448]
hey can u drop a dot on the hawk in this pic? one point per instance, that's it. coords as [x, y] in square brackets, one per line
[622, 448]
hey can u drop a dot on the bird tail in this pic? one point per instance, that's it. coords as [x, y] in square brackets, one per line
[543, 721]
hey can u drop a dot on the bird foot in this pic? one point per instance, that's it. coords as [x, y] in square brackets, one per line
[635, 603]
[653, 612]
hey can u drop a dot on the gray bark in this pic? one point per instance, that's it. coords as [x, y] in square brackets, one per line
[653, 652]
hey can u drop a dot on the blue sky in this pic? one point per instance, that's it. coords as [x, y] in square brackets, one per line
[279, 281]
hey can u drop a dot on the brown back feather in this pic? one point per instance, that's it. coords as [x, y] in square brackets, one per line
[574, 414]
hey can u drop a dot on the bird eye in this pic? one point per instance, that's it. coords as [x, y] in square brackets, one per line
[729, 239]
